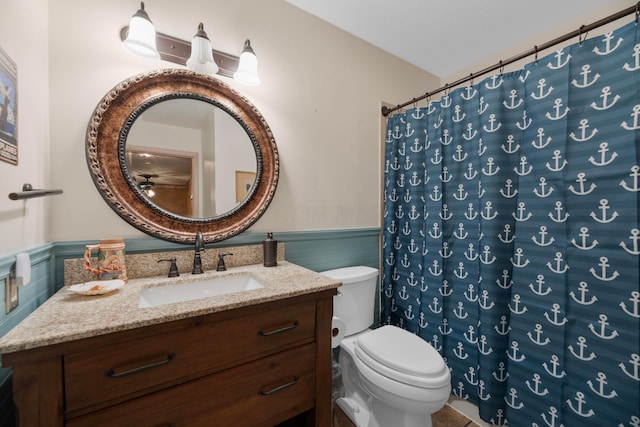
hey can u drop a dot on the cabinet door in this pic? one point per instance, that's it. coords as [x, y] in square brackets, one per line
[264, 392]
[105, 376]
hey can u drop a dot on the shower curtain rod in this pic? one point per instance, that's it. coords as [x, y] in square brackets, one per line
[533, 51]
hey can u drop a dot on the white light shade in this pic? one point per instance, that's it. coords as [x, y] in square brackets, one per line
[141, 37]
[201, 59]
[247, 72]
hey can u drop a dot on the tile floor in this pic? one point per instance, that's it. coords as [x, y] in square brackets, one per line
[446, 417]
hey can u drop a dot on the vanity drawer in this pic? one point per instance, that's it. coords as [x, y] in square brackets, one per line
[281, 385]
[105, 376]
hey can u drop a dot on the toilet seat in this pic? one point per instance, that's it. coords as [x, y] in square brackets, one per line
[402, 356]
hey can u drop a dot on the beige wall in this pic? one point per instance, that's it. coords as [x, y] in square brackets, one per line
[23, 35]
[321, 95]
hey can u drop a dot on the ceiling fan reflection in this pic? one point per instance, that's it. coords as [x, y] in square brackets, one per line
[147, 184]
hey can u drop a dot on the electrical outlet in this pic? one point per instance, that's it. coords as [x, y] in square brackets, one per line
[10, 294]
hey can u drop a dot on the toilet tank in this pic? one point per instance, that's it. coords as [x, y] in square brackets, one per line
[355, 302]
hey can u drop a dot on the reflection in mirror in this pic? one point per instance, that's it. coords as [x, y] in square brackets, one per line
[191, 158]
[165, 177]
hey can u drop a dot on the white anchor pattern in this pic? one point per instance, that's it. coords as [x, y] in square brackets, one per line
[512, 236]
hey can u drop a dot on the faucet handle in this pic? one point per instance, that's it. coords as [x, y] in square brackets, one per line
[221, 266]
[173, 269]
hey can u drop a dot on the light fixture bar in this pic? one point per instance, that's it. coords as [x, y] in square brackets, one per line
[178, 51]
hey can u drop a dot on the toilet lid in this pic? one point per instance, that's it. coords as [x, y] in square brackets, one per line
[403, 356]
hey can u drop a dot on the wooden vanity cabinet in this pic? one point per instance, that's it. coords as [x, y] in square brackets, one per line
[259, 365]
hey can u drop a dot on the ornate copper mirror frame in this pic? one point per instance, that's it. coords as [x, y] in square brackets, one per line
[105, 151]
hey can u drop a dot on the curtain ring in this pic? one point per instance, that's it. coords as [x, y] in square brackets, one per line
[582, 39]
[471, 79]
[501, 67]
[637, 12]
[536, 55]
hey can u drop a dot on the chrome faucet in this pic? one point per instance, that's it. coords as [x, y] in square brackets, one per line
[197, 261]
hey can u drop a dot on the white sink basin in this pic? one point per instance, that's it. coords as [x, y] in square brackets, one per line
[180, 292]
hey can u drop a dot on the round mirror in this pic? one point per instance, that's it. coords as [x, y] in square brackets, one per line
[174, 152]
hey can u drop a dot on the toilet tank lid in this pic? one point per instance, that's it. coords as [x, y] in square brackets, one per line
[351, 274]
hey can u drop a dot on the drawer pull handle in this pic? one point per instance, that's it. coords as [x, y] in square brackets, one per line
[280, 388]
[113, 374]
[279, 330]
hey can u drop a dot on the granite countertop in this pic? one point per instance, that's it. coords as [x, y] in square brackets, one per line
[67, 316]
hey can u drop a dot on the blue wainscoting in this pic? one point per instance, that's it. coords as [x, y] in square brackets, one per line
[30, 297]
[315, 250]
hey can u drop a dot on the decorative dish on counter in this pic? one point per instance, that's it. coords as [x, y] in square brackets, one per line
[97, 287]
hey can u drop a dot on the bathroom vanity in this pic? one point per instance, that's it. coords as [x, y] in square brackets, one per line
[252, 358]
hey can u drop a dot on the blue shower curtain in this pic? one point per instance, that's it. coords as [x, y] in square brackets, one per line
[511, 237]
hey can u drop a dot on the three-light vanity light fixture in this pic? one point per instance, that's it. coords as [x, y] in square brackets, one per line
[141, 38]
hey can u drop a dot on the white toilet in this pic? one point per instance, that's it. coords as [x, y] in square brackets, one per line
[391, 377]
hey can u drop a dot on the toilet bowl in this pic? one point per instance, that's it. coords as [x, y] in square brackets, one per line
[391, 377]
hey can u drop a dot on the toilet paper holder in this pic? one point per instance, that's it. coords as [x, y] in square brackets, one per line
[338, 329]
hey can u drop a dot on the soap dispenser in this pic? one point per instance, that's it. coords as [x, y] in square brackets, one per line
[270, 251]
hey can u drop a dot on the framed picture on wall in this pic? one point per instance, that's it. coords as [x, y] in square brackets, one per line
[244, 181]
[8, 109]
